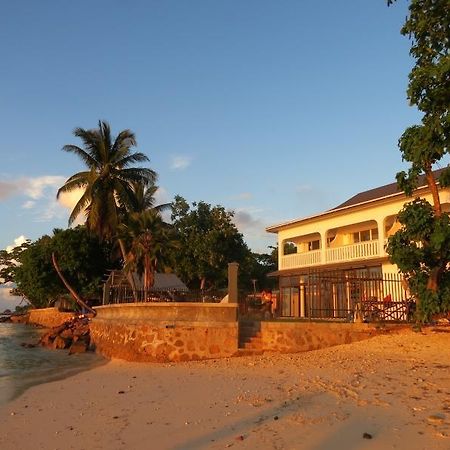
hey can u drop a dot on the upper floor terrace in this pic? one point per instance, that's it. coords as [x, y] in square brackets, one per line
[357, 230]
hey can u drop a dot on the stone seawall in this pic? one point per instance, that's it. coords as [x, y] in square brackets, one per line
[48, 317]
[291, 337]
[165, 331]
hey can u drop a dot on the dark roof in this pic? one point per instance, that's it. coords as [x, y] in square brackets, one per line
[162, 281]
[380, 192]
[358, 199]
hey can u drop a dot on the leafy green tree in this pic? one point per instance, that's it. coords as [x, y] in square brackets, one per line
[208, 241]
[421, 253]
[9, 260]
[82, 257]
[256, 267]
[109, 182]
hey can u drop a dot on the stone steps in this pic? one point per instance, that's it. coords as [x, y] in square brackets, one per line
[248, 352]
[250, 338]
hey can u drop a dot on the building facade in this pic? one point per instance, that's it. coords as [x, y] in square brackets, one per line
[330, 261]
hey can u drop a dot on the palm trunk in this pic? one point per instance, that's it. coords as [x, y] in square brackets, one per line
[76, 297]
[129, 275]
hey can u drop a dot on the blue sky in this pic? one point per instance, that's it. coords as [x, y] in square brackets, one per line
[274, 109]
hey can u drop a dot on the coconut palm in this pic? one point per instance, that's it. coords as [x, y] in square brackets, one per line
[148, 239]
[109, 182]
[144, 199]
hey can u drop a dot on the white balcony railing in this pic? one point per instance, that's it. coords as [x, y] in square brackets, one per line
[351, 252]
[300, 260]
[361, 250]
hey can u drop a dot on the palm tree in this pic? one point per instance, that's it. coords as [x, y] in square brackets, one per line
[148, 239]
[144, 199]
[109, 181]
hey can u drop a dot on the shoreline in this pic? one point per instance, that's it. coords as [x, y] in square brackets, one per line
[25, 364]
[395, 388]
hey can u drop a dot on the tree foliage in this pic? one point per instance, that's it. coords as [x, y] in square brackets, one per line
[9, 261]
[256, 267]
[149, 242]
[208, 241]
[420, 247]
[82, 257]
[109, 183]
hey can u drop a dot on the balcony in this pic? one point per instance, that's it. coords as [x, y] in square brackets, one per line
[345, 253]
[361, 250]
[300, 260]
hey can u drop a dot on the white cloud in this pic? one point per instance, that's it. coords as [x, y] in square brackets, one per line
[38, 187]
[243, 196]
[17, 241]
[68, 200]
[303, 188]
[8, 301]
[28, 204]
[253, 227]
[8, 189]
[39, 195]
[180, 162]
[161, 196]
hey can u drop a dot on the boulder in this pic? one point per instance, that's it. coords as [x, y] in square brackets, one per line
[67, 333]
[78, 347]
[59, 342]
[20, 318]
[73, 334]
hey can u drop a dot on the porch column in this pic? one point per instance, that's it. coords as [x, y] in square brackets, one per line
[302, 296]
[381, 237]
[280, 254]
[323, 247]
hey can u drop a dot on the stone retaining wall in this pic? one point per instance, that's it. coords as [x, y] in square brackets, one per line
[48, 317]
[165, 331]
[291, 337]
[176, 311]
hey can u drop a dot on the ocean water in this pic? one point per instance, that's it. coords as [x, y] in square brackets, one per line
[21, 367]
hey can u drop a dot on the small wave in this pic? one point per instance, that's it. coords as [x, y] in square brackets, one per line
[21, 368]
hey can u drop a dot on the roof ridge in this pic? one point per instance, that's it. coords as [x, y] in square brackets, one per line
[380, 191]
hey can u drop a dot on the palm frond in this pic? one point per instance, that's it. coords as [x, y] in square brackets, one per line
[85, 156]
[128, 159]
[138, 175]
[79, 208]
[91, 141]
[163, 207]
[126, 139]
[79, 180]
[125, 195]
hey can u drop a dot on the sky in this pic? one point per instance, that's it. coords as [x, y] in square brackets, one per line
[274, 109]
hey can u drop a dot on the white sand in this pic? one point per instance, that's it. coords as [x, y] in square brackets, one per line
[394, 387]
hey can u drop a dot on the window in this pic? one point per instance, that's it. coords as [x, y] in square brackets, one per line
[365, 235]
[313, 245]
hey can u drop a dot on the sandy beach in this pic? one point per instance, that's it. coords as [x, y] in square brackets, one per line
[389, 392]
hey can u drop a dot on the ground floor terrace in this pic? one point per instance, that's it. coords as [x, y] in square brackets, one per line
[362, 293]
